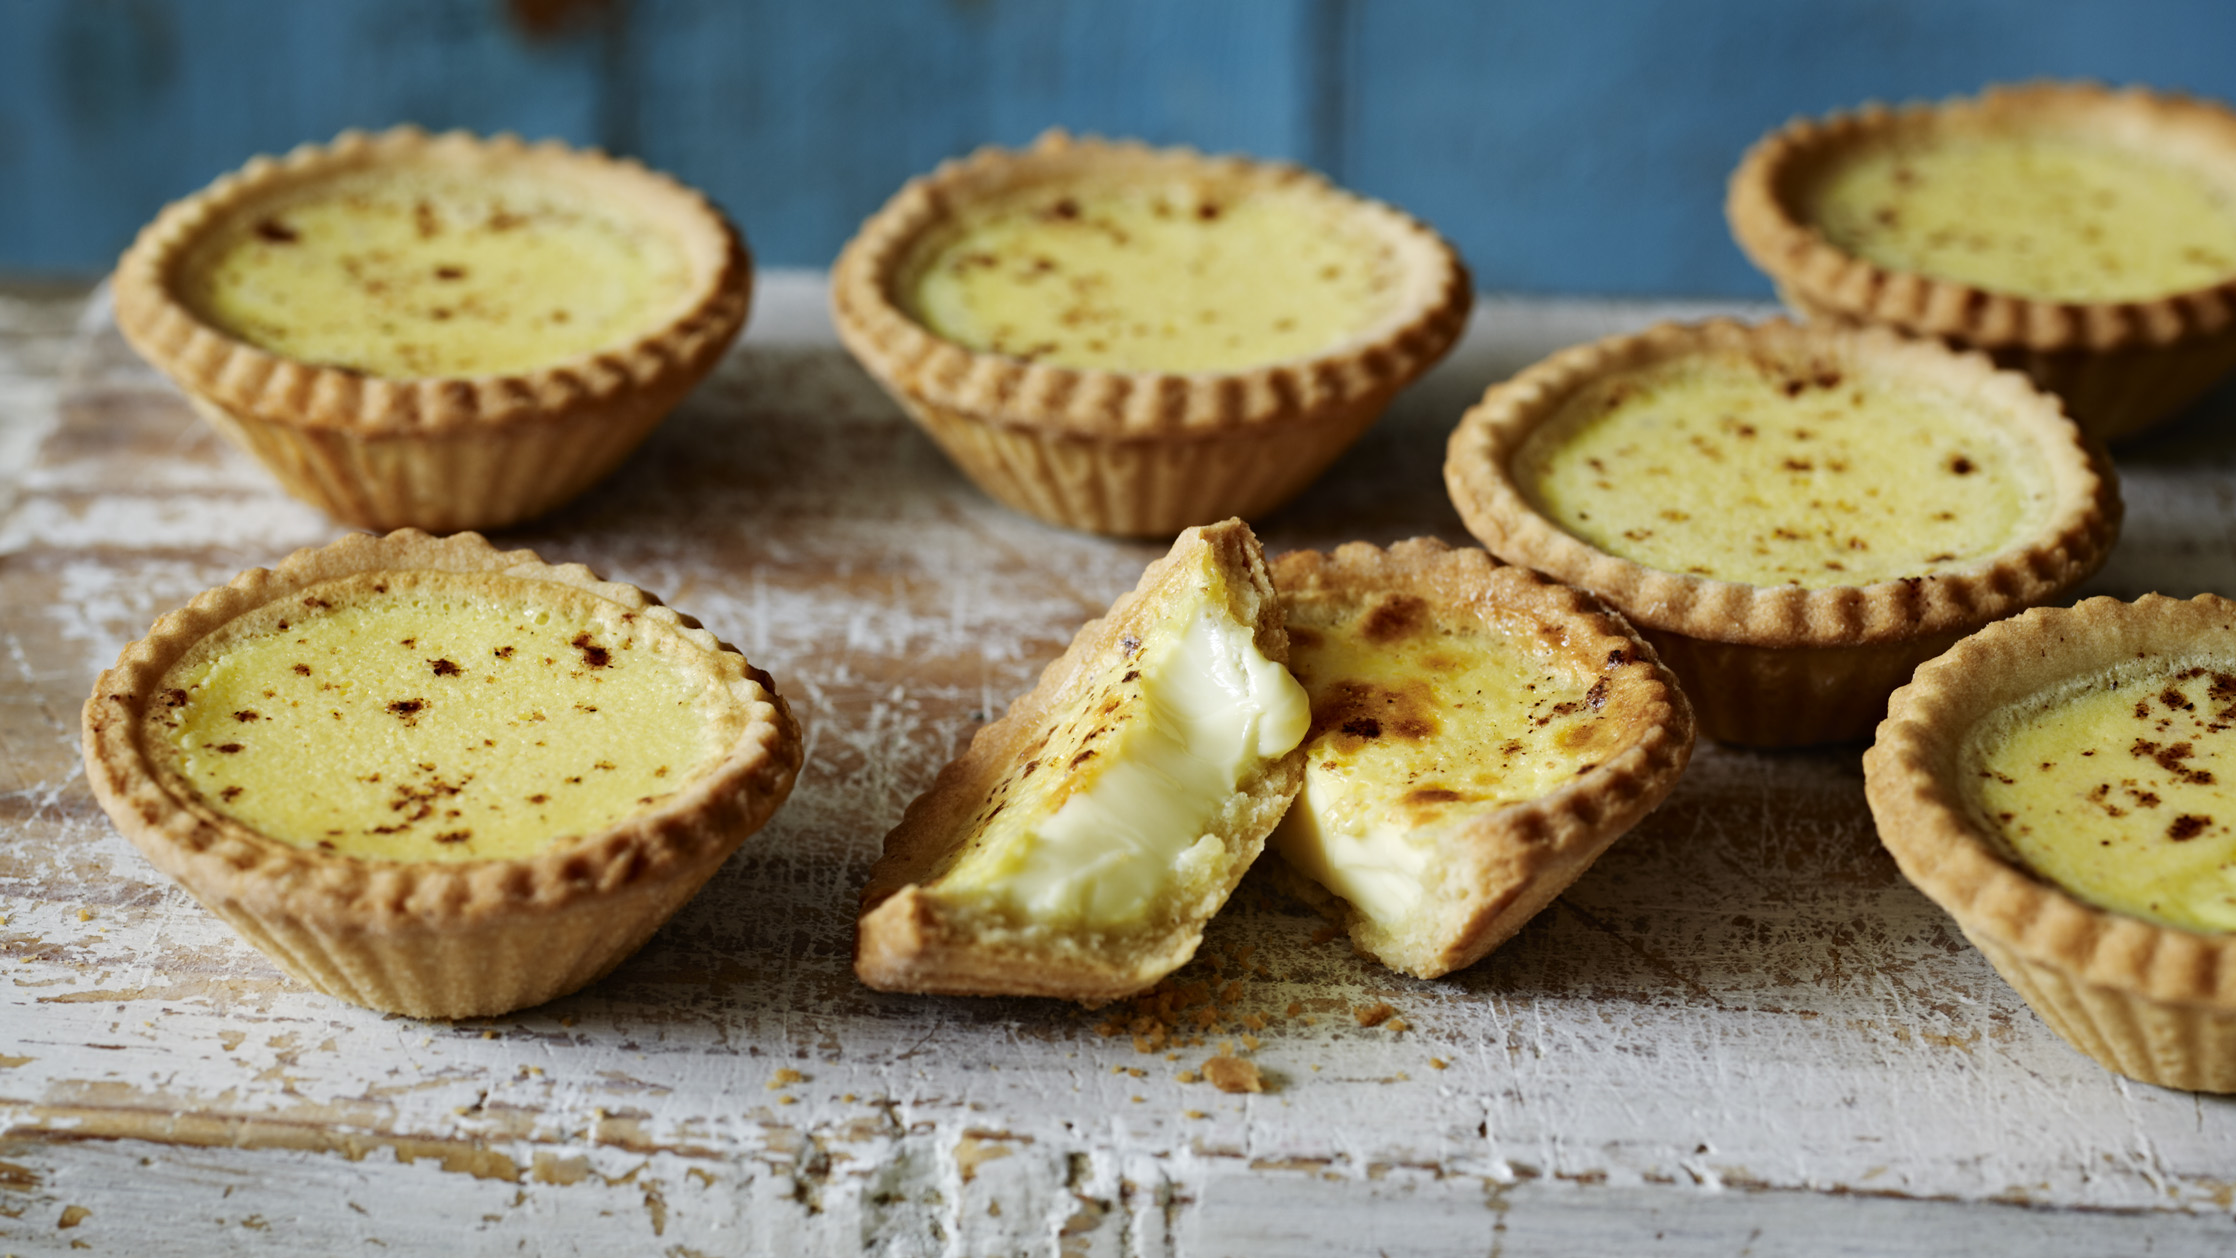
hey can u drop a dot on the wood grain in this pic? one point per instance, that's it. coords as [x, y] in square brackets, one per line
[1741, 1031]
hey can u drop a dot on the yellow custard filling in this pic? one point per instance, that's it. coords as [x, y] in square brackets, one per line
[1419, 724]
[2046, 217]
[1174, 277]
[2121, 788]
[1112, 818]
[428, 716]
[1765, 473]
[410, 273]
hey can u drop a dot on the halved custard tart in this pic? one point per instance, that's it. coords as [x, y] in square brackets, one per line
[1479, 736]
[1082, 841]
[2064, 784]
[436, 331]
[1132, 340]
[436, 778]
[2085, 236]
[1794, 517]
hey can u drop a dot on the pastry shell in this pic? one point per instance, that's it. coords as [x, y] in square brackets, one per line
[437, 939]
[1784, 665]
[2153, 1002]
[1142, 453]
[438, 453]
[2121, 366]
[913, 938]
[1499, 867]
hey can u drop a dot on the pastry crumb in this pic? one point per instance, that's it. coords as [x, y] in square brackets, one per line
[1233, 1074]
[1188, 1076]
[785, 1077]
[788, 1099]
[1438, 1063]
[1375, 1014]
[1396, 1025]
[1250, 1043]
[1194, 1113]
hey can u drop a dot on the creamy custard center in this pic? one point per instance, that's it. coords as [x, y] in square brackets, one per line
[1771, 474]
[417, 272]
[1174, 277]
[1418, 725]
[2051, 218]
[2121, 788]
[431, 717]
[1111, 820]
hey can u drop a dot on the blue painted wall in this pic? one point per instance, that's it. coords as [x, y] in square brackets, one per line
[1577, 146]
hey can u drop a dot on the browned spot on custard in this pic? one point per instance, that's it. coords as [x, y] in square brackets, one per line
[302, 670]
[503, 652]
[450, 272]
[174, 698]
[454, 836]
[2188, 826]
[230, 749]
[593, 655]
[276, 232]
[408, 710]
[1364, 711]
[1431, 795]
[444, 668]
[245, 715]
[230, 793]
[1394, 618]
[1961, 465]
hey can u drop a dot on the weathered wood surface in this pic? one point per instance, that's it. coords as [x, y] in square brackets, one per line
[1741, 1032]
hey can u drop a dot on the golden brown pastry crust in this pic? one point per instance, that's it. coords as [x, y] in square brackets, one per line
[439, 453]
[437, 939]
[1493, 873]
[1784, 665]
[2154, 1002]
[1138, 453]
[2121, 366]
[912, 938]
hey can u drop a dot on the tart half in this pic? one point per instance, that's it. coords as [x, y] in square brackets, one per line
[2064, 785]
[1794, 517]
[436, 778]
[2085, 236]
[440, 332]
[1131, 340]
[1479, 736]
[1082, 841]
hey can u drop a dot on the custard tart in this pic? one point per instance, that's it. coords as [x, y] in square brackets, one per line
[440, 332]
[436, 778]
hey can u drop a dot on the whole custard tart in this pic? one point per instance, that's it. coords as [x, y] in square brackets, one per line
[440, 332]
[1794, 517]
[1480, 735]
[1131, 340]
[433, 777]
[2064, 785]
[2085, 236]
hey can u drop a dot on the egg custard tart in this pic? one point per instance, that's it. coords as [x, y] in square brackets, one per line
[440, 332]
[1131, 340]
[433, 777]
[1080, 843]
[1479, 736]
[1794, 517]
[2083, 235]
[2064, 785]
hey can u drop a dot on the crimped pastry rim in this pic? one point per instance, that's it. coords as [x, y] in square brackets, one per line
[2072, 543]
[1561, 833]
[221, 856]
[1922, 819]
[1112, 404]
[1795, 255]
[250, 381]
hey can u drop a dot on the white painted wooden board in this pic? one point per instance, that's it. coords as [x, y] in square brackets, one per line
[1740, 1032]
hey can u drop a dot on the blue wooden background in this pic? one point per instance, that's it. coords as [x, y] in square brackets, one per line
[1567, 147]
